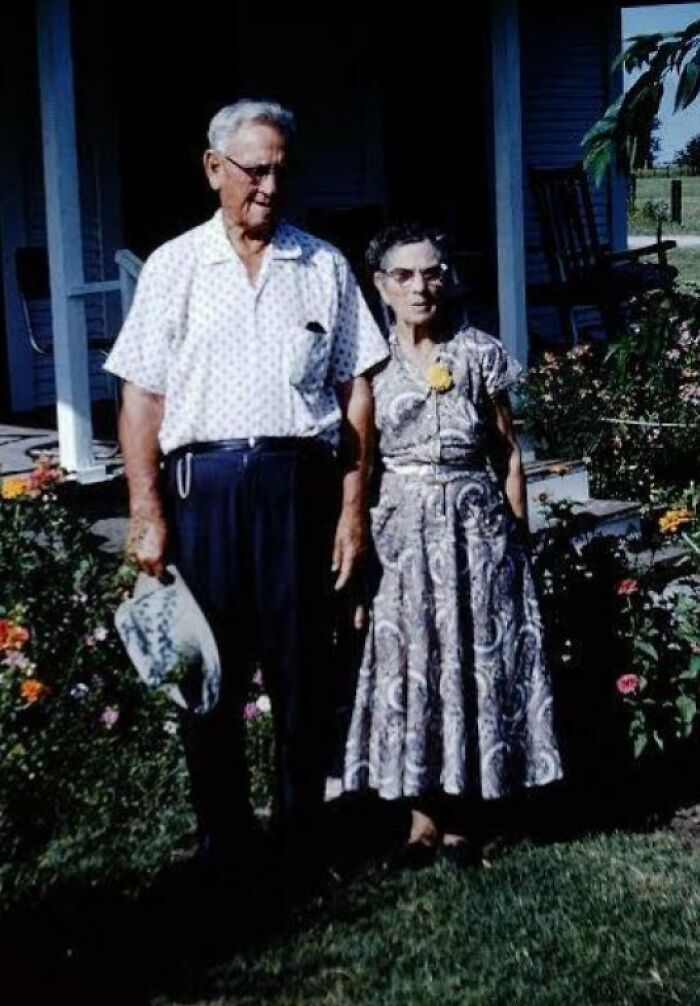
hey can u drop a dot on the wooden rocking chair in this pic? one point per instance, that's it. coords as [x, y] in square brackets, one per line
[584, 271]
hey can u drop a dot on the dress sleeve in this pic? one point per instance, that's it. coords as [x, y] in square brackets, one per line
[499, 369]
[141, 351]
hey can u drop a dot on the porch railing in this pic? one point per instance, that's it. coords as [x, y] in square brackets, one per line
[129, 268]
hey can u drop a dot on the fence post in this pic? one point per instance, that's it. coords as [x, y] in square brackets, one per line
[676, 206]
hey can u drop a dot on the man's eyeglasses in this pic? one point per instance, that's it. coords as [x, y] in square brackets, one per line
[434, 275]
[259, 172]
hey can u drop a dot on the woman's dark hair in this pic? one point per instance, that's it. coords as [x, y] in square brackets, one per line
[402, 234]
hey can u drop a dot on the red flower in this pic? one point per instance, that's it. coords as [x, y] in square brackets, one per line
[627, 684]
[627, 587]
[12, 635]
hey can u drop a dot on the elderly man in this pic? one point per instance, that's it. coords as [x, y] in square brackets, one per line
[243, 356]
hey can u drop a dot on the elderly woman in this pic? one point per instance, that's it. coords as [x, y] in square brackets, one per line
[453, 698]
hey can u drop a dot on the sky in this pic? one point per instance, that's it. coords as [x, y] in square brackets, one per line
[676, 128]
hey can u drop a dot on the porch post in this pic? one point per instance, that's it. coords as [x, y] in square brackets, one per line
[508, 176]
[63, 223]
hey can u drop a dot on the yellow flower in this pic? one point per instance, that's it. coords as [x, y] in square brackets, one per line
[15, 487]
[439, 377]
[672, 520]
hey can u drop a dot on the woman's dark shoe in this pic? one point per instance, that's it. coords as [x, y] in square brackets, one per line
[464, 855]
[412, 856]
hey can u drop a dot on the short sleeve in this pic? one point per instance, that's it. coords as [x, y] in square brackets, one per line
[499, 369]
[140, 352]
[358, 343]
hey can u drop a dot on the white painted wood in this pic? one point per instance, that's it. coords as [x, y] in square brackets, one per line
[505, 69]
[73, 411]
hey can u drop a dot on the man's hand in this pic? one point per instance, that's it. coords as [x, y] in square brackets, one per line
[146, 543]
[350, 545]
[139, 422]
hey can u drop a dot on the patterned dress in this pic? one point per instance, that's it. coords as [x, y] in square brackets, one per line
[453, 692]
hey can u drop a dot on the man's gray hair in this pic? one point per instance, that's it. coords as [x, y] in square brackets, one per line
[228, 120]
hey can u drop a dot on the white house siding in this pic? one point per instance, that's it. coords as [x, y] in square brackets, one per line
[566, 84]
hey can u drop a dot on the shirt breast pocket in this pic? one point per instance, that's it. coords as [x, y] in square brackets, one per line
[310, 356]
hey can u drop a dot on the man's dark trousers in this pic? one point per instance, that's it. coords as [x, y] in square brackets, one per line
[251, 531]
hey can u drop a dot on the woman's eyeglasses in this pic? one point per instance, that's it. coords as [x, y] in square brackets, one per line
[434, 275]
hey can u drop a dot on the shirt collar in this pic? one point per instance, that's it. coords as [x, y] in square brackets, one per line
[216, 247]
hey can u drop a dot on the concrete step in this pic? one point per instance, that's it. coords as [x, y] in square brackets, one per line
[555, 479]
[607, 517]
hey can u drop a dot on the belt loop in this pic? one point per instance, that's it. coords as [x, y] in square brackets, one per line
[184, 480]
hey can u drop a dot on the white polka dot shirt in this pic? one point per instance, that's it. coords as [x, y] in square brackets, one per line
[237, 359]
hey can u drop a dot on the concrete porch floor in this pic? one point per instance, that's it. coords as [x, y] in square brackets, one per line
[103, 503]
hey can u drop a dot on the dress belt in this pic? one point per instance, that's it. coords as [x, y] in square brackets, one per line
[438, 472]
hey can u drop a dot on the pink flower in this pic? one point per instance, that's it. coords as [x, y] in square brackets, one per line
[627, 684]
[250, 711]
[109, 717]
[258, 678]
[627, 587]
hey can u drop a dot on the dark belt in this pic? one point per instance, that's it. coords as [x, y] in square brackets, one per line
[251, 443]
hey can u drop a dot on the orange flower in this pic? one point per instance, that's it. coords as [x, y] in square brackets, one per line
[672, 520]
[32, 690]
[12, 635]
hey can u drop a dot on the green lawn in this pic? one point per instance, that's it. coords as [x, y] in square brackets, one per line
[660, 188]
[610, 919]
[607, 918]
[687, 261]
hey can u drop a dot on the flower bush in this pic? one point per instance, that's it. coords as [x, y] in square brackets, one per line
[660, 627]
[92, 776]
[91, 767]
[623, 637]
[630, 408]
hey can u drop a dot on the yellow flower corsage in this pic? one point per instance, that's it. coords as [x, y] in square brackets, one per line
[439, 377]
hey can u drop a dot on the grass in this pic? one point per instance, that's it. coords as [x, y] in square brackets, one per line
[687, 261]
[602, 918]
[660, 188]
[611, 919]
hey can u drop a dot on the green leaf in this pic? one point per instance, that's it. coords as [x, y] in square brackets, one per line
[647, 649]
[687, 709]
[640, 743]
[689, 83]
